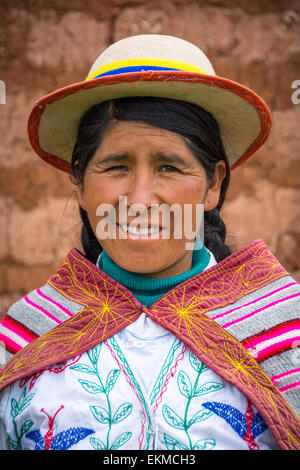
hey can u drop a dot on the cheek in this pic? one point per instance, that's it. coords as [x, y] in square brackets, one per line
[101, 191]
[189, 195]
[193, 205]
[189, 192]
[100, 197]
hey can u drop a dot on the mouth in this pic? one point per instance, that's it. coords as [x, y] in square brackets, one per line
[138, 232]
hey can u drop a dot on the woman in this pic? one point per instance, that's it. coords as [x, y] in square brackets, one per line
[156, 337]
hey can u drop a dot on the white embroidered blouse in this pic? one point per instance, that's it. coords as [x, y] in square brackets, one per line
[141, 389]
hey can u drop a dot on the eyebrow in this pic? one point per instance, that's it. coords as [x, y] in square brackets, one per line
[172, 159]
[117, 158]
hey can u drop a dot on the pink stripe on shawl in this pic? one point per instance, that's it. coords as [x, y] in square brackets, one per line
[227, 325]
[289, 387]
[13, 326]
[254, 301]
[280, 338]
[273, 349]
[276, 378]
[61, 307]
[41, 309]
[274, 333]
[12, 346]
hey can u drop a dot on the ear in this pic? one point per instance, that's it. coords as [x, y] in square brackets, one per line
[81, 196]
[213, 193]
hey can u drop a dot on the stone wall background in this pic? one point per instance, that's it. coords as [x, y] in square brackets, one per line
[47, 44]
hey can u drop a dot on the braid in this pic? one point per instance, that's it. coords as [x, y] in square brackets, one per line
[215, 234]
[214, 227]
[90, 244]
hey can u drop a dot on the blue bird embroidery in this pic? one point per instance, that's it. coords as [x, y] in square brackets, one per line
[61, 441]
[248, 426]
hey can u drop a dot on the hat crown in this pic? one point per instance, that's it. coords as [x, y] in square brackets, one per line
[158, 66]
[159, 47]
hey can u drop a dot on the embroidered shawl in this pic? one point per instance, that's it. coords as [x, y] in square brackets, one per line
[239, 317]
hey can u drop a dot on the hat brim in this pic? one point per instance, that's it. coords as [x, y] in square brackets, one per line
[243, 117]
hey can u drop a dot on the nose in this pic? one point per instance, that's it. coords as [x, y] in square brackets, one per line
[142, 191]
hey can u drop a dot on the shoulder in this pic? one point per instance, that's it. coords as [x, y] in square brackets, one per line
[32, 316]
[267, 323]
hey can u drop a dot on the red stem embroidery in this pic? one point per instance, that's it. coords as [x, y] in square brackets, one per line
[49, 434]
[248, 437]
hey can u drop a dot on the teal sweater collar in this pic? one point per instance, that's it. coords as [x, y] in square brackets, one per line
[147, 290]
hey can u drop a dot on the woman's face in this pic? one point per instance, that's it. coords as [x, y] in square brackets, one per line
[138, 174]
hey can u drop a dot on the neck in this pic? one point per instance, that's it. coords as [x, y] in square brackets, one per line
[146, 288]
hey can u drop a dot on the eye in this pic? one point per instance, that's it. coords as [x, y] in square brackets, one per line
[117, 167]
[169, 169]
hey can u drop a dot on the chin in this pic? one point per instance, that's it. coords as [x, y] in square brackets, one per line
[141, 267]
[144, 258]
[140, 263]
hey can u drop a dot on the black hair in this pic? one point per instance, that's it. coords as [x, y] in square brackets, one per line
[199, 130]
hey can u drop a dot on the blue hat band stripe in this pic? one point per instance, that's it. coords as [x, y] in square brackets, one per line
[133, 68]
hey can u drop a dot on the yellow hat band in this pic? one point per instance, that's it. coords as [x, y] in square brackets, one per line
[142, 64]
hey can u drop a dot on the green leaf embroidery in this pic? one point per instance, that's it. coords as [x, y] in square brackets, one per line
[100, 414]
[13, 444]
[122, 412]
[196, 364]
[24, 400]
[97, 444]
[121, 440]
[83, 368]
[190, 391]
[94, 353]
[199, 416]
[14, 411]
[90, 387]
[111, 380]
[208, 387]
[173, 444]
[26, 426]
[23, 395]
[205, 444]
[172, 418]
[184, 384]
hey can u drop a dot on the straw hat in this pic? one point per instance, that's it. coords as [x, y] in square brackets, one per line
[150, 65]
